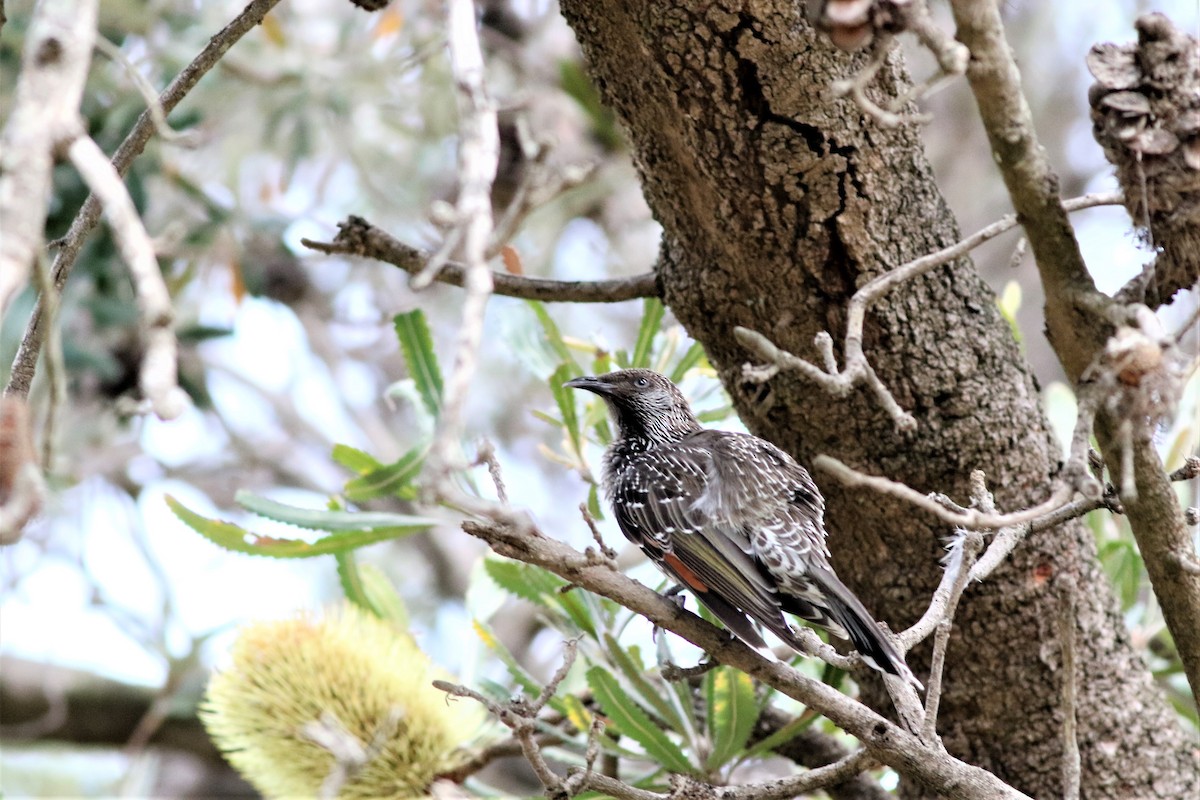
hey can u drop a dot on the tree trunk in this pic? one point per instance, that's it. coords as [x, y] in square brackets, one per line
[776, 204]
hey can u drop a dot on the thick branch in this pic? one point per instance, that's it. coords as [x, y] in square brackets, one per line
[45, 113]
[1032, 184]
[1158, 525]
[358, 237]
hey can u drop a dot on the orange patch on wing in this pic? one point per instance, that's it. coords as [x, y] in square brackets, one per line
[685, 573]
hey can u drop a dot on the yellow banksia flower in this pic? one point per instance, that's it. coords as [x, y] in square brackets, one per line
[346, 671]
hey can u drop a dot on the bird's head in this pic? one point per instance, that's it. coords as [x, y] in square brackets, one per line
[644, 404]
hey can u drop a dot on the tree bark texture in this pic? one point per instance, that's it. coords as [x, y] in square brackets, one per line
[777, 203]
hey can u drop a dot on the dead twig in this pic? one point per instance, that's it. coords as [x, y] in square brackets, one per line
[855, 366]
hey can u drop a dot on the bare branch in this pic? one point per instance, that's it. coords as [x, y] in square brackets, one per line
[520, 716]
[856, 368]
[972, 519]
[963, 553]
[358, 237]
[478, 156]
[810, 781]
[158, 379]
[159, 117]
[44, 114]
[1031, 181]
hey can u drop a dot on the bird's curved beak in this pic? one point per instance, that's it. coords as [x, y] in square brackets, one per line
[591, 384]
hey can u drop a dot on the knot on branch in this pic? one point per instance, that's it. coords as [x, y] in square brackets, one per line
[1138, 370]
[1146, 115]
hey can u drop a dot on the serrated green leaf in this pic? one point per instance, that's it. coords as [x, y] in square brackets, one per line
[635, 672]
[633, 722]
[524, 580]
[322, 519]
[412, 331]
[565, 398]
[389, 480]
[690, 359]
[593, 503]
[351, 581]
[652, 317]
[732, 712]
[354, 459]
[554, 336]
[366, 586]
[239, 540]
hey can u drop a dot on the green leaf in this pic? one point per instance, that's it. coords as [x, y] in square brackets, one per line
[633, 722]
[553, 335]
[415, 340]
[387, 481]
[540, 587]
[631, 667]
[691, 358]
[526, 681]
[565, 398]
[366, 586]
[239, 540]
[782, 736]
[354, 459]
[524, 580]
[324, 519]
[732, 712]
[593, 503]
[652, 317]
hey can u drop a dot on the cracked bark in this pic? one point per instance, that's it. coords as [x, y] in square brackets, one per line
[776, 203]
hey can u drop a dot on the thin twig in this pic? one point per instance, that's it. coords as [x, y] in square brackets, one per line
[605, 551]
[810, 781]
[972, 519]
[358, 237]
[486, 454]
[856, 368]
[157, 115]
[966, 547]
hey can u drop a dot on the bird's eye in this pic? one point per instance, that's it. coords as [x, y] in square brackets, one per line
[642, 382]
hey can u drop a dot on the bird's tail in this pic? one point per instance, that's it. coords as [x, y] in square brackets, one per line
[842, 613]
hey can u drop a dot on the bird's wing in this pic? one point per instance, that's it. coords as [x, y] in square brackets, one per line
[654, 502]
[753, 483]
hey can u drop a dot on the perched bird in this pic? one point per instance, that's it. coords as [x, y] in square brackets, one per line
[729, 516]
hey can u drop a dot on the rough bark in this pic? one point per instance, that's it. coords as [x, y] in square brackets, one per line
[776, 203]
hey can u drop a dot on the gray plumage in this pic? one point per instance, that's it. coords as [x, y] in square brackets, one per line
[730, 516]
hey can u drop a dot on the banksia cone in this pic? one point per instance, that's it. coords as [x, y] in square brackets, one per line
[347, 671]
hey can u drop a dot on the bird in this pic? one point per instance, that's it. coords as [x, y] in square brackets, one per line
[729, 516]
